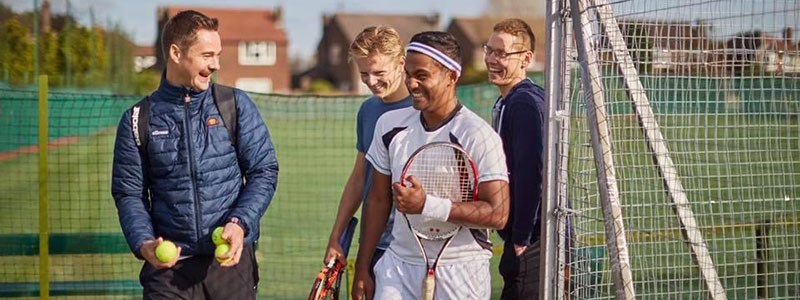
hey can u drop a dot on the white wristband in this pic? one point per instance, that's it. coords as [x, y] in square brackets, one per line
[437, 208]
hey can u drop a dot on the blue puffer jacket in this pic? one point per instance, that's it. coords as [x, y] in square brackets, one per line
[192, 174]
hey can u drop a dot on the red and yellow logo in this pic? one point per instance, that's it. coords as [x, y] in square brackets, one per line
[212, 121]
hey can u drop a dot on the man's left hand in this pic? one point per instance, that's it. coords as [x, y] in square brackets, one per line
[519, 250]
[234, 234]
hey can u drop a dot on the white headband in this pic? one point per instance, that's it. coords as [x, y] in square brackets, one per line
[437, 55]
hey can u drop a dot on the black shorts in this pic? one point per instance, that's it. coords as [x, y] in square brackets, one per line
[520, 273]
[201, 277]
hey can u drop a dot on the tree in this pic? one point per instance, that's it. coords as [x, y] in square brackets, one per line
[81, 54]
[16, 52]
[72, 54]
[48, 54]
[5, 13]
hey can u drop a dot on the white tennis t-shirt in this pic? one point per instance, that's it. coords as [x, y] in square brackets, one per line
[398, 134]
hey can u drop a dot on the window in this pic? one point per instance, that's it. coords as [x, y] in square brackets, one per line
[257, 53]
[258, 85]
[143, 62]
[662, 59]
[334, 53]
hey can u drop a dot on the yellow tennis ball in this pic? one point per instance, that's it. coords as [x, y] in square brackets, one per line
[220, 251]
[166, 251]
[216, 236]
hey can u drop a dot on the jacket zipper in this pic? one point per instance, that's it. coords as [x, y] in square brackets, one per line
[192, 170]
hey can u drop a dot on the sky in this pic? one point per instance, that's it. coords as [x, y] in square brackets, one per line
[303, 18]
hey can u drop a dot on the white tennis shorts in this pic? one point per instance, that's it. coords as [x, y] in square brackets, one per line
[398, 280]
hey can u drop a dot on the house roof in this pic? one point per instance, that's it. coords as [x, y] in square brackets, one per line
[406, 25]
[478, 29]
[144, 51]
[782, 45]
[239, 23]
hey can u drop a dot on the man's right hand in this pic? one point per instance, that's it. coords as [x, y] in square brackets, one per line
[334, 252]
[148, 251]
[363, 286]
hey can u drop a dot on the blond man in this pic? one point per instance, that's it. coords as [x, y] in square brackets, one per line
[378, 53]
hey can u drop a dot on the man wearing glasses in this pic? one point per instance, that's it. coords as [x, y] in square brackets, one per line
[518, 117]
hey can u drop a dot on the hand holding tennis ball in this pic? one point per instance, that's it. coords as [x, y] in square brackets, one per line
[222, 250]
[216, 236]
[166, 251]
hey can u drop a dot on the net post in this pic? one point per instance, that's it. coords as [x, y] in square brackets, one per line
[617, 244]
[349, 272]
[552, 240]
[762, 257]
[44, 227]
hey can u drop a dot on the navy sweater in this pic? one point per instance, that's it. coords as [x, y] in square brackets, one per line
[519, 119]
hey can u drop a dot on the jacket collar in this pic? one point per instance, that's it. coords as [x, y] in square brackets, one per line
[527, 82]
[176, 94]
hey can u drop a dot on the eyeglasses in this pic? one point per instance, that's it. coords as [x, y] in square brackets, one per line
[500, 54]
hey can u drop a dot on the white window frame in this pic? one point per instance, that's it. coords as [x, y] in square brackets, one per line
[254, 84]
[257, 53]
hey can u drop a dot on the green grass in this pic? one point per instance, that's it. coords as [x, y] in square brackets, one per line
[739, 172]
[315, 151]
[735, 169]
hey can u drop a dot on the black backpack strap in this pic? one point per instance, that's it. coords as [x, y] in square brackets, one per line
[226, 104]
[140, 124]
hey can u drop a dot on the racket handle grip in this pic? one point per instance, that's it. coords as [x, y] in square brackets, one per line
[428, 286]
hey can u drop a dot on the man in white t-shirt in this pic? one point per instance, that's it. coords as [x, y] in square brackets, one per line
[432, 70]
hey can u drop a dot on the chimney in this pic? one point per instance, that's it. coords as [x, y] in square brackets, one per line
[46, 18]
[277, 16]
[433, 20]
[788, 34]
[326, 18]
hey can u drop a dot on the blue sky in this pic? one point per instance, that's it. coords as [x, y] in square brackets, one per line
[304, 17]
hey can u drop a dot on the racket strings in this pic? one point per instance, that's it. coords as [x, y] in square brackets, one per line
[444, 172]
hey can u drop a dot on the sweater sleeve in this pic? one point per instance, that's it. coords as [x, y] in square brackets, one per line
[527, 145]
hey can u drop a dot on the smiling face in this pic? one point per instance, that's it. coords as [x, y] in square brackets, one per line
[430, 84]
[506, 59]
[383, 74]
[192, 67]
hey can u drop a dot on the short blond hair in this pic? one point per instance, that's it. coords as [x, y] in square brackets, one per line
[379, 39]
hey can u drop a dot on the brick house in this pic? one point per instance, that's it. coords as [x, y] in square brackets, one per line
[254, 47]
[339, 31]
[473, 32]
[781, 55]
[673, 47]
[144, 57]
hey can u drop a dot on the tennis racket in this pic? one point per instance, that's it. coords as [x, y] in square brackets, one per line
[445, 171]
[326, 285]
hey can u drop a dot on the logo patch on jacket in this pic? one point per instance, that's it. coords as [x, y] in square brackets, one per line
[159, 132]
[212, 121]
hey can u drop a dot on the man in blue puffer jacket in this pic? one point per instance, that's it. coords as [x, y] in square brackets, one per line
[192, 177]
